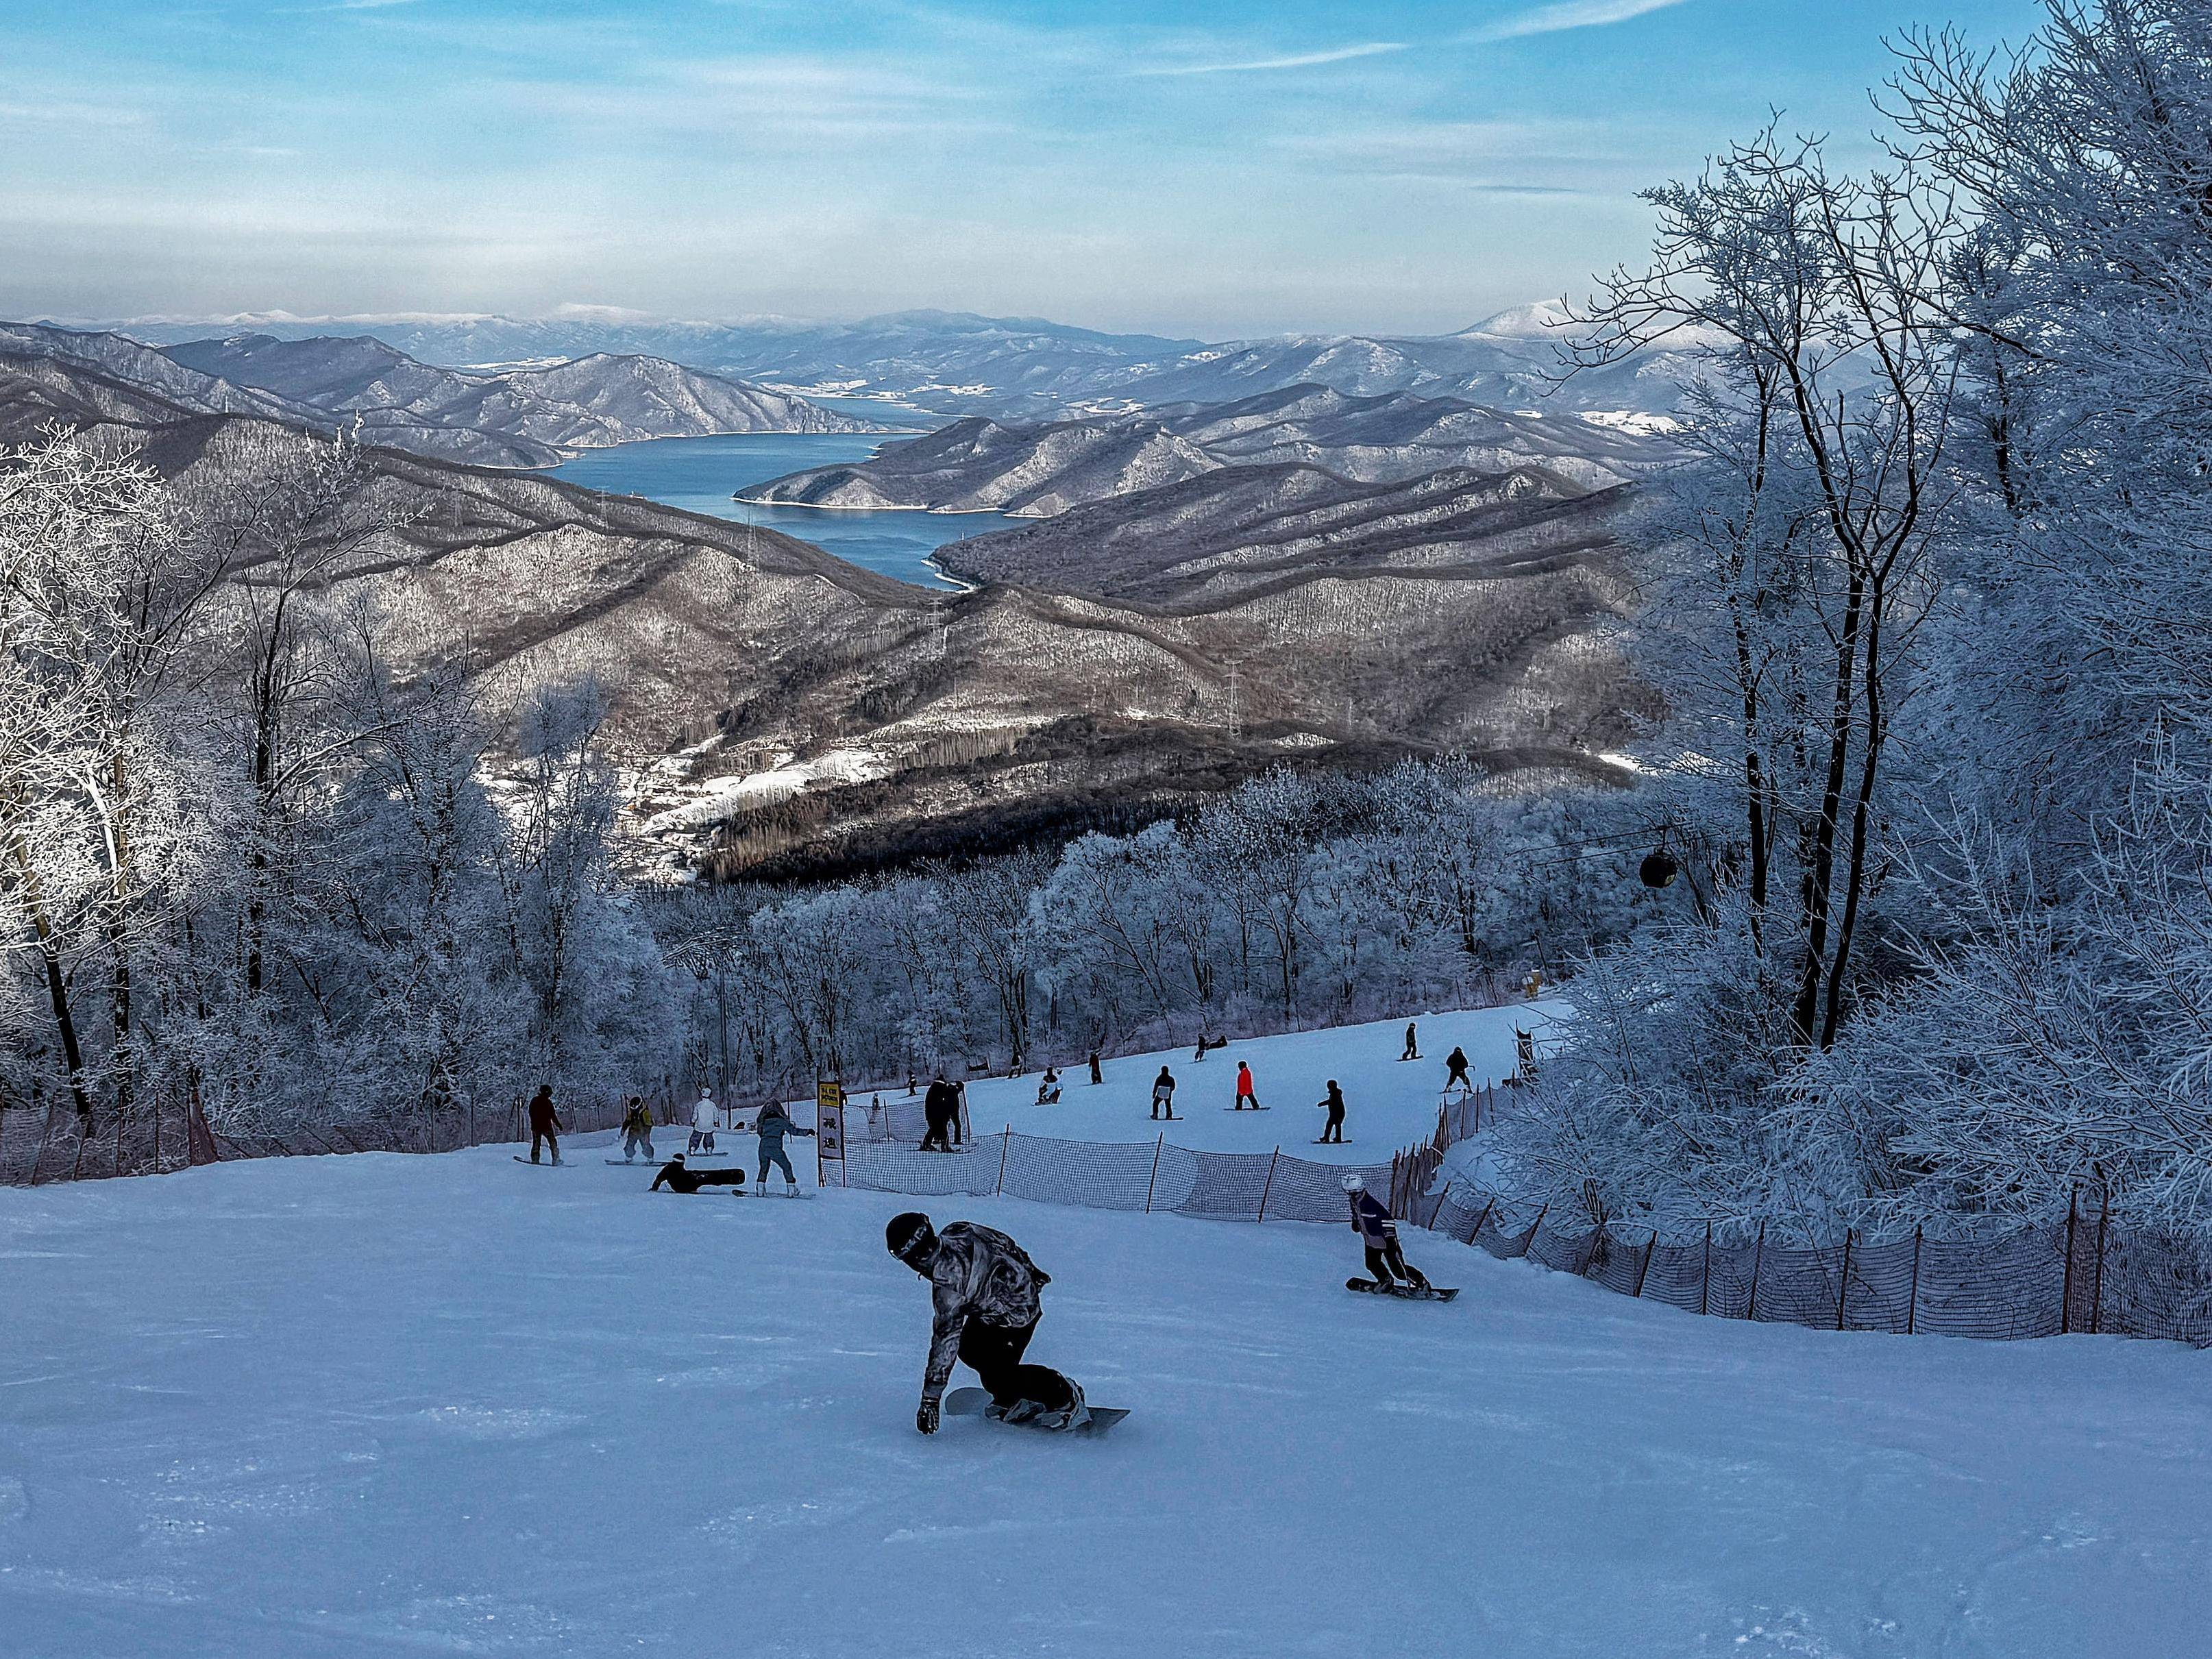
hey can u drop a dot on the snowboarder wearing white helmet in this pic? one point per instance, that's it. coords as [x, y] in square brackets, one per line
[1386, 1261]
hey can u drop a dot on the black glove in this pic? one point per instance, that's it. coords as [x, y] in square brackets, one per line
[924, 1416]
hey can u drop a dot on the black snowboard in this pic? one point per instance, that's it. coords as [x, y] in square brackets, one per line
[969, 1402]
[534, 1163]
[1403, 1293]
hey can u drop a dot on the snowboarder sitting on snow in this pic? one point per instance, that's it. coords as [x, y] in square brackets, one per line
[1333, 1131]
[1163, 1094]
[1455, 1071]
[1380, 1235]
[772, 1125]
[677, 1179]
[939, 1107]
[985, 1290]
[544, 1122]
[637, 1129]
[702, 1121]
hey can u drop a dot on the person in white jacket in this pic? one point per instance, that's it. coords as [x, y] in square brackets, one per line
[702, 1121]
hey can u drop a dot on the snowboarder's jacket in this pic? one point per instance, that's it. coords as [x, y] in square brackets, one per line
[775, 1123]
[702, 1112]
[1372, 1220]
[979, 1273]
[541, 1118]
[942, 1101]
[637, 1119]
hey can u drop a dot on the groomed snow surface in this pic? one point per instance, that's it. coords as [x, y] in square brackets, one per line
[381, 1405]
[1388, 1104]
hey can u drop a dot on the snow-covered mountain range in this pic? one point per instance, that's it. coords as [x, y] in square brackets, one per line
[1035, 471]
[1025, 368]
[531, 417]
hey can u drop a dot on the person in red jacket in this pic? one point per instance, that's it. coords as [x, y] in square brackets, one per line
[544, 1122]
[1245, 1095]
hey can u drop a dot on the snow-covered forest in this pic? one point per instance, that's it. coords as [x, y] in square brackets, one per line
[1933, 609]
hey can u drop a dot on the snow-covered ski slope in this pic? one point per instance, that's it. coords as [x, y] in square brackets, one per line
[338, 1408]
[1388, 1104]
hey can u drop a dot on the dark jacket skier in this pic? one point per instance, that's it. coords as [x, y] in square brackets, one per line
[1163, 1094]
[938, 1108]
[1097, 1075]
[1334, 1129]
[544, 1122]
[1379, 1234]
[985, 1290]
[1456, 1070]
[678, 1179]
[1413, 1043]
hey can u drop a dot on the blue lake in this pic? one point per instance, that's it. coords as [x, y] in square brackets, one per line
[700, 475]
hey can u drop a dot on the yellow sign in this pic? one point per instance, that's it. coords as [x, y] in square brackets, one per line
[829, 1130]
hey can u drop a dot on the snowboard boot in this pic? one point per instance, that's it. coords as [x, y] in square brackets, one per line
[1074, 1416]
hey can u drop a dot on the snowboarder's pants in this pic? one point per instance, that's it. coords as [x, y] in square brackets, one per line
[1458, 1074]
[1334, 1130]
[1163, 1103]
[702, 1139]
[636, 1141]
[1412, 1053]
[551, 1140]
[772, 1152]
[1387, 1258]
[994, 1352]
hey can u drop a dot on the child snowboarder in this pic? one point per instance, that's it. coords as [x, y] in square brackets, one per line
[1334, 1130]
[985, 1293]
[544, 1122]
[1245, 1095]
[637, 1130]
[1379, 1233]
[1048, 1087]
[772, 1125]
[1163, 1094]
[702, 1121]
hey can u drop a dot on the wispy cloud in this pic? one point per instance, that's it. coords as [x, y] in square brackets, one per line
[1296, 60]
[1568, 15]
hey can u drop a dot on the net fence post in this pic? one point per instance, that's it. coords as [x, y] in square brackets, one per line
[1912, 1296]
[1758, 1261]
[1844, 1280]
[1006, 1141]
[1642, 1271]
[1155, 1181]
[2097, 1281]
[2066, 1284]
[1705, 1284]
[1269, 1185]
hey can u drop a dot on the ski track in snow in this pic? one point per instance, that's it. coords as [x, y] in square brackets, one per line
[380, 1406]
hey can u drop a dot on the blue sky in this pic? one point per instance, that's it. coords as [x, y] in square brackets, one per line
[1205, 168]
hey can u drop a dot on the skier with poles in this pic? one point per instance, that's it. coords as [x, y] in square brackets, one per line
[1386, 1260]
[1455, 1071]
[772, 1125]
[985, 1290]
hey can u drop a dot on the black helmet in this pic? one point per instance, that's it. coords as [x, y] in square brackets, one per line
[904, 1234]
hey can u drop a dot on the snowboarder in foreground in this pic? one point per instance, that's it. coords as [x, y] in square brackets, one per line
[677, 1179]
[637, 1129]
[1334, 1130]
[1455, 1071]
[1163, 1094]
[985, 1293]
[1246, 1096]
[702, 1121]
[544, 1122]
[1379, 1233]
[772, 1125]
